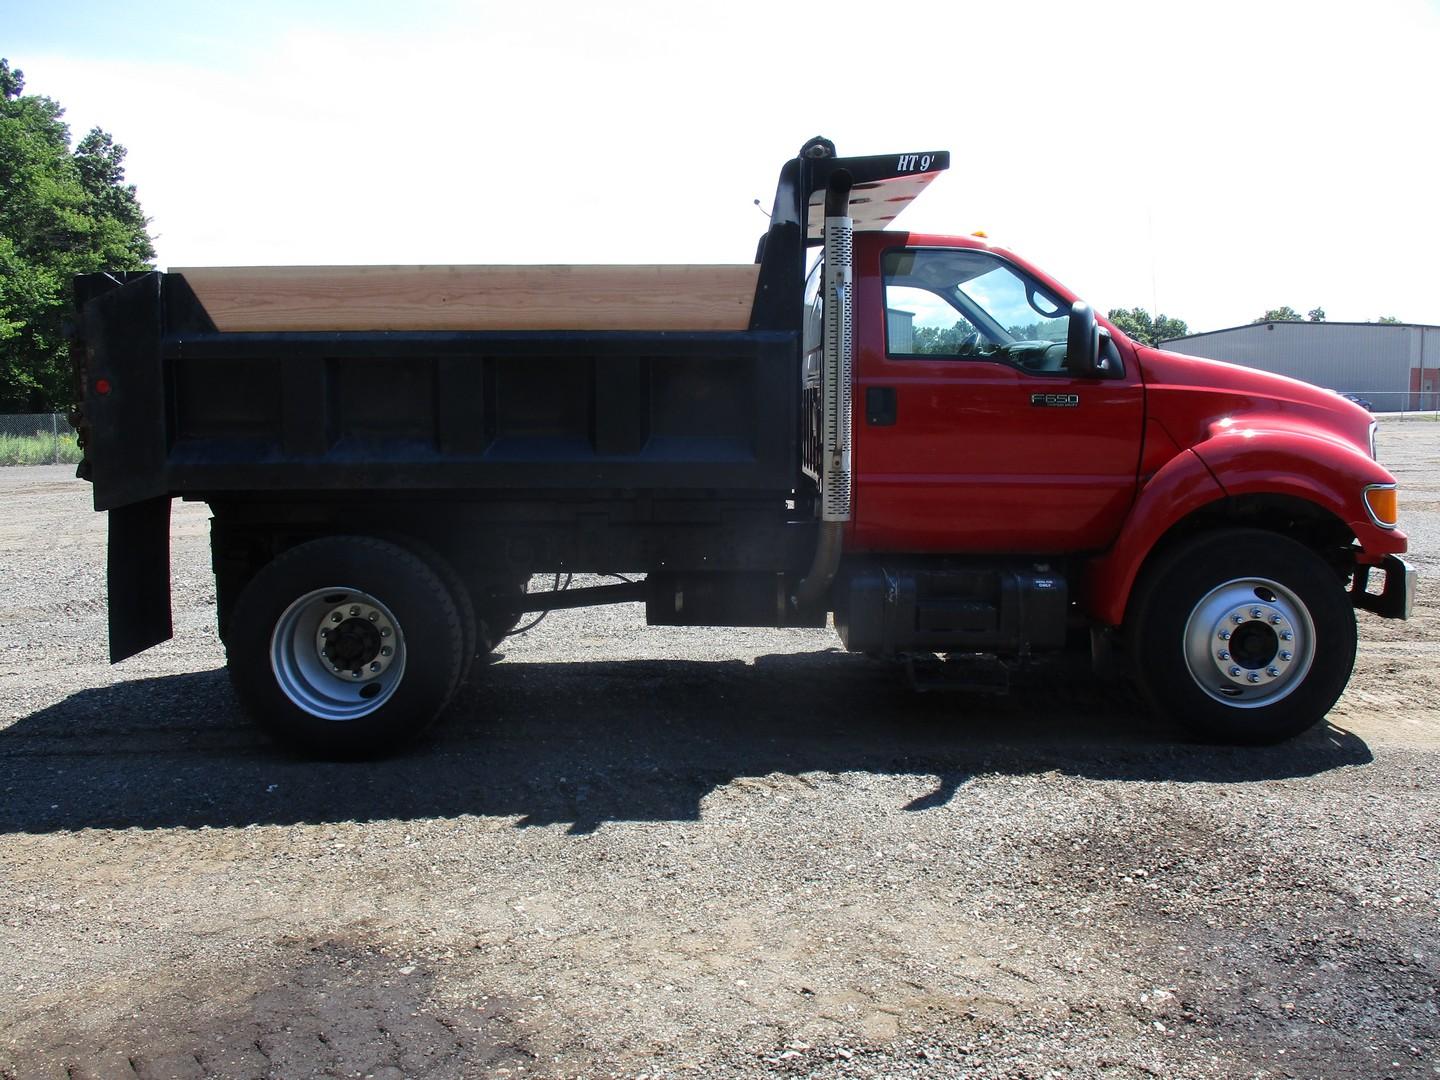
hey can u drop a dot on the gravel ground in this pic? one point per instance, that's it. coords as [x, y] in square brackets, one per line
[723, 853]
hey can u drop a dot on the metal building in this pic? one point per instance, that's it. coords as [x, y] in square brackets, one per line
[1393, 365]
[900, 328]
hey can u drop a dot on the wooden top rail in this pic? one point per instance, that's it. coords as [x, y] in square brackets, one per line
[277, 298]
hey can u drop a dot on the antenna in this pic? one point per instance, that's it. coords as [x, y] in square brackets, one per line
[761, 208]
[1154, 286]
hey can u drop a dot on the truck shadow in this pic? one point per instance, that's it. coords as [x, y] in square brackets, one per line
[586, 743]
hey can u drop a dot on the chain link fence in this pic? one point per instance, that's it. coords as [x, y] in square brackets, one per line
[37, 439]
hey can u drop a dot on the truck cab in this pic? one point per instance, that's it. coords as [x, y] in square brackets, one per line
[1204, 516]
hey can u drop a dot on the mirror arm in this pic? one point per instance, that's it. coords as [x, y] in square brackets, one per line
[1082, 342]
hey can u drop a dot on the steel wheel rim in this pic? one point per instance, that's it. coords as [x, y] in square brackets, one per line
[338, 653]
[1249, 643]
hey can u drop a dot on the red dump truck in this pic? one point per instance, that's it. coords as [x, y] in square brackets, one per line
[925, 437]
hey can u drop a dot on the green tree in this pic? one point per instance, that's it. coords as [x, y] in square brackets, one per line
[1281, 314]
[1389, 320]
[945, 342]
[1136, 324]
[63, 213]
[1289, 314]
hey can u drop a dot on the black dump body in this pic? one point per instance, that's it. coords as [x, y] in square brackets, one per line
[513, 452]
[193, 412]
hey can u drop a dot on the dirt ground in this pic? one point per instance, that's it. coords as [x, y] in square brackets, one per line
[721, 853]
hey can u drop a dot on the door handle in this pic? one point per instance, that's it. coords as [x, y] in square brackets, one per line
[879, 406]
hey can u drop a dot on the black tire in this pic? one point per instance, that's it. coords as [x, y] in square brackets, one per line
[368, 592]
[473, 644]
[1243, 636]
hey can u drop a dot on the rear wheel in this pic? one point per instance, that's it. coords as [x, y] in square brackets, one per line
[1243, 636]
[345, 647]
[472, 643]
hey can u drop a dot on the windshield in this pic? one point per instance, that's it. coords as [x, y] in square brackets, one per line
[960, 302]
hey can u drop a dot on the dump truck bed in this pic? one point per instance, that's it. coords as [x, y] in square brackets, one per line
[206, 382]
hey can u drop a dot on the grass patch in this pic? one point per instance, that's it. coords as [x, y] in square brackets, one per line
[38, 449]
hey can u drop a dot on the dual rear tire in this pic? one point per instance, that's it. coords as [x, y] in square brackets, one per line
[349, 646]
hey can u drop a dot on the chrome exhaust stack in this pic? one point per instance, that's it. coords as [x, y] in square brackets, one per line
[836, 394]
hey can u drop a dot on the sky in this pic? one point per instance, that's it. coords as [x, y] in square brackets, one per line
[1206, 160]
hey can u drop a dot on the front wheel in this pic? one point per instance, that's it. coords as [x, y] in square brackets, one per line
[345, 647]
[1243, 636]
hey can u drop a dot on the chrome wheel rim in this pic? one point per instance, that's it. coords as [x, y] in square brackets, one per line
[1249, 643]
[338, 653]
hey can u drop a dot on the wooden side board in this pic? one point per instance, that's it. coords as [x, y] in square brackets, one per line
[259, 298]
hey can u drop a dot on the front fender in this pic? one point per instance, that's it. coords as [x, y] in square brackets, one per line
[1236, 462]
[1179, 488]
[1254, 460]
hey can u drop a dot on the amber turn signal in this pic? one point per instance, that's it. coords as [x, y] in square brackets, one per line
[1382, 501]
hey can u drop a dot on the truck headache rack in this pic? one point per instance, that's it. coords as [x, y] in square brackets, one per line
[888, 189]
[881, 187]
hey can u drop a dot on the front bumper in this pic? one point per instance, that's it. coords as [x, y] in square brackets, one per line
[1397, 599]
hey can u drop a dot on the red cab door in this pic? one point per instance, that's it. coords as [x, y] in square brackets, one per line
[970, 433]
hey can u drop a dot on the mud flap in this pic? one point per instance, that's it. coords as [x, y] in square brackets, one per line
[139, 573]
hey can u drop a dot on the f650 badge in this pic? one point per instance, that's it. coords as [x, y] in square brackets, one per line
[1055, 401]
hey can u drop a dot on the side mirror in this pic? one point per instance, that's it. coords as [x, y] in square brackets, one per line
[1082, 342]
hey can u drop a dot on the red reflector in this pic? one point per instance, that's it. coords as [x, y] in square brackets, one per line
[102, 386]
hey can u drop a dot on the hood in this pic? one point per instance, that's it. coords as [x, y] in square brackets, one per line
[1194, 399]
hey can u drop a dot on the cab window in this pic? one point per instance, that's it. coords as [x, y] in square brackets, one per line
[961, 304]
